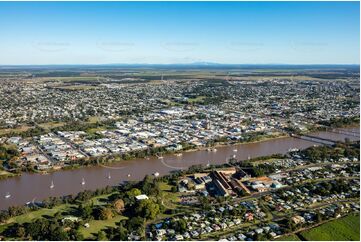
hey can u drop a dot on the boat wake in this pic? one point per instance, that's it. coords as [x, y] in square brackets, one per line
[114, 167]
[172, 167]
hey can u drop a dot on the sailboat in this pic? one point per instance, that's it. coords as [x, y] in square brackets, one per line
[83, 181]
[109, 177]
[7, 195]
[52, 185]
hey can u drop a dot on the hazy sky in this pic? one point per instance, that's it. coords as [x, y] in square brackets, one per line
[183, 32]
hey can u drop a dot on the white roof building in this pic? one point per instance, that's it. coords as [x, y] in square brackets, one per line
[141, 197]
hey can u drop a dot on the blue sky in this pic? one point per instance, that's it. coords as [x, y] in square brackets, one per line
[179, 32]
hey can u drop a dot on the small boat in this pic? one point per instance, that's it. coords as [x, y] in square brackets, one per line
[156, 174]
[208, 164]
[235, 150]
[109, 177]
[209, 150]
[128, 175]
[7, 195]
[233, 156]
[179, 154]
[52, 185]
[293, 150]
[83, 182]
[159, 156]
[214, 150]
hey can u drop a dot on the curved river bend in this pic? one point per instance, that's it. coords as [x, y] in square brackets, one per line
[36, 187]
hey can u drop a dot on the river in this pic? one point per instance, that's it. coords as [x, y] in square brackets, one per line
[36, 187]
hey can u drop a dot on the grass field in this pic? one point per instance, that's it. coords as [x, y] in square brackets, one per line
[39, 213]
[198, 99]
[170, 199]
[15, 130]
[76, 87]
[289, 238]
[94, 130]
[68, 78]
[94, 119]
[96, 225]
[29, 217]
[50, 125]
[66, 209]
[100, 200]
[268, 161]
[346, 228]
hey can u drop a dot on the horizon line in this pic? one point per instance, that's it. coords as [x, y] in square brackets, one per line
[195, 63]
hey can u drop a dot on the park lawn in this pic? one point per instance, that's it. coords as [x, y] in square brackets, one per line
[197, 99]
[97, 225]
[28, 217]
[94, 119]
[289, 238]
[267, 161]
[76, 87]
[170, 199]
[346, 228]
[94, 130]
[15, 130]
[97, 201]
[50, 125]
[67, 208]
[33, 215]
[165, 187]
[170, 102]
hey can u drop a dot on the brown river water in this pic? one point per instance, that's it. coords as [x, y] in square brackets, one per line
[36, 187]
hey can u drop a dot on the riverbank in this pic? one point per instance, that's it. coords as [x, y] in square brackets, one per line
[117, 158]
[110, 160]
[225, 144]
[167, 195]
[6, 174]
[29, 186]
